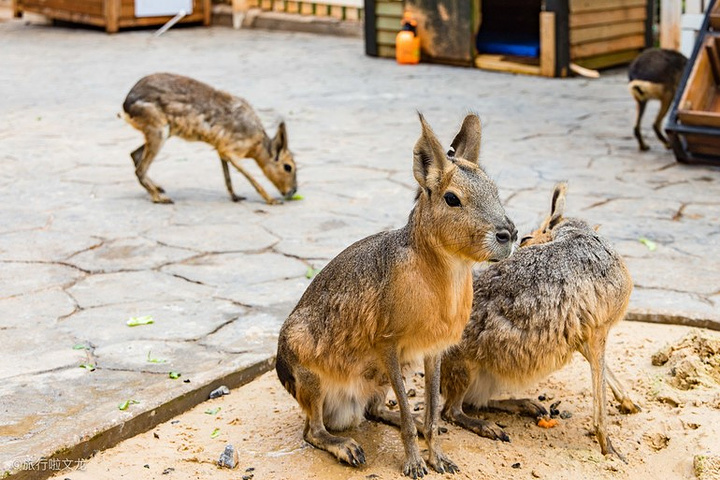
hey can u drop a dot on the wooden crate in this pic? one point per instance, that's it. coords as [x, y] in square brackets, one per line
[589, 33]
[693, 126]
[111, 15]
[604, 33]
[382, 24]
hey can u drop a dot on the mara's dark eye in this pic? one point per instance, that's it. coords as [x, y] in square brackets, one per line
[451, 199]
[287, 167]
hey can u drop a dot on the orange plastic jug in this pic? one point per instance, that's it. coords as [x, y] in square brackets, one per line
[407, 42]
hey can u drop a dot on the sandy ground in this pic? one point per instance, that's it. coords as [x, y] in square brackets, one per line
[265, 424]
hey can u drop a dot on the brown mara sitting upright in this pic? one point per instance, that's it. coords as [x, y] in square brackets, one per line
[561, 292]
[164, 105]
[394, 298]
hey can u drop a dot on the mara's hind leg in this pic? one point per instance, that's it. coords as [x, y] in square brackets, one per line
[228, 181]
[377, 411]
[666, 100]
[636, 130]
[154, 140]
[518, 406]
[311, 397]
[596, 358]
[627, 405]
[136, 156]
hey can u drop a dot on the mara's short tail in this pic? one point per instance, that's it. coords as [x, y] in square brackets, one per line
[642, 90]
[284, 373]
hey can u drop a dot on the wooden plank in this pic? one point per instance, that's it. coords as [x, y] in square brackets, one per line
[586, 19]
[16, 9]
[393, 9]
[547, 44]
[603, 32]
[609, 46]
[505, 64]
[112, 14]
[693, 6]
[92, 8]
[386, 38]
[670, 21]
[353, 14]
[206, 6]
[388, 23]
[386, 51]
[608, 59]
[336, 11]
[65, 15]
[593, 5]
[703, 144]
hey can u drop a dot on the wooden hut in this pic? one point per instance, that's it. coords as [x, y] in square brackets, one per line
[111, 15]
[539, 37]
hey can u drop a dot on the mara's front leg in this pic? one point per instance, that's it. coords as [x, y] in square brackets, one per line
[414, 464]
[437, 460]
[266, 196]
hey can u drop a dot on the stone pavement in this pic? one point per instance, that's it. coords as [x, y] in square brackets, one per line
[82, 248]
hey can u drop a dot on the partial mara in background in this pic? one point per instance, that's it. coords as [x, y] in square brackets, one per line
[654, 75]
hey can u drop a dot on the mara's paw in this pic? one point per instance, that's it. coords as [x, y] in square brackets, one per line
[351, 453]
[487, 429]
[442, 464]
[415, 468]
[627, 406]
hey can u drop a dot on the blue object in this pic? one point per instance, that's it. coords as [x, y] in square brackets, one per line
[508, 43]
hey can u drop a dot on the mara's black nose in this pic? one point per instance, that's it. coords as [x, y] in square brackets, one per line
[503, 236]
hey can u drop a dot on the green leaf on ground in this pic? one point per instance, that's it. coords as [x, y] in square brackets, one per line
[154, 360]
[80, 346]
[215, 433]
[124, 405]
[174, 375]
[311, 272]
[144, 320]
[297, 196]
[652, 246]
[87, 366]
[212, 411]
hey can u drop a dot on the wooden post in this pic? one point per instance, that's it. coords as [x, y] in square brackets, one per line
[112, 13]
[670, 19]
[16, 9]
[561, 11]
[207, 12]
[547, 44]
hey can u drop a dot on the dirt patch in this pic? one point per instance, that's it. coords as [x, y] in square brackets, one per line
[265, 425]
[692, 370]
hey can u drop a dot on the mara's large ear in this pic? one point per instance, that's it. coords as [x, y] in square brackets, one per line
[557, 207]
[280, 142]
[429, 160]
[467, 142]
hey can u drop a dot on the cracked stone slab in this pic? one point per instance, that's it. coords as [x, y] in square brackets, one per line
[132, 253]
[42, 245]
[126, 287]
[19, 278]
[36, 310]
[229, 237]
[257, 332]
[179, 320]
[157, 357]
[236, 271]
[274, 293]
[24, 353]
[84, 410]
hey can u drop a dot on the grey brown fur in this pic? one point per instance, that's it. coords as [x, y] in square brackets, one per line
[392, 299]
[561, 292]
[164, 105]
[654, 74]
